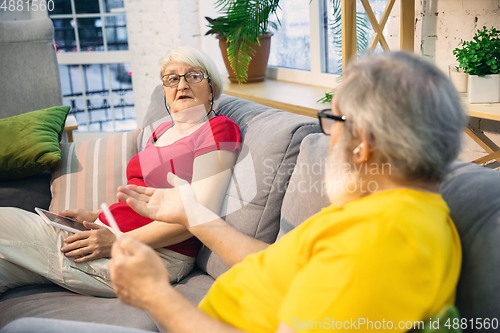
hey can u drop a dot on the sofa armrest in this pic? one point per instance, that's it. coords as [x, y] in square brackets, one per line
[70, 126]
[26, 193]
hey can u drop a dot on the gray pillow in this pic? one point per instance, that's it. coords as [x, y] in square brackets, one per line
[271, 139]
[156, 115]
[472, 193]
[305, 195]
[52, 301]
[29, 75]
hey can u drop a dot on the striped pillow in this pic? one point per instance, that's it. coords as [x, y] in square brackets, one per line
[90, 172]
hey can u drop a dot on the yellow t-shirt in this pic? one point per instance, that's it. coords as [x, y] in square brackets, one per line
[391, 257]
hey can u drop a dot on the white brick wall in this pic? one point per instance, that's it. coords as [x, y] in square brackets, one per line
[440, 24]
[445, 22]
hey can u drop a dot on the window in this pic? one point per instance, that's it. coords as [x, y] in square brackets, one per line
[364, 31]
[307, 48]
[96, 76]
[100, 96]
[290, 44]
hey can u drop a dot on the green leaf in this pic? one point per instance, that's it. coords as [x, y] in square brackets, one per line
[481, 55]
[327, 98]
[362, 30]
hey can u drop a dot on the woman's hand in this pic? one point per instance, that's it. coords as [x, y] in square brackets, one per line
[137, 272]
[89, 245]
[81, 215]
[167, 205]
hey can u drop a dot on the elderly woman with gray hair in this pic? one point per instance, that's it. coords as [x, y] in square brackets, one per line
[379, 257]
[197, 145]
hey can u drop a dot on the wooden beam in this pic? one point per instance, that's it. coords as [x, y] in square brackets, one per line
[483, 145]
[348, 17]
[407, 25]
[69, 130]
[383, 21]
[375, 25]
[487, 158]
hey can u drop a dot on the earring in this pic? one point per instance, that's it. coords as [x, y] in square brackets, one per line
[358, 148]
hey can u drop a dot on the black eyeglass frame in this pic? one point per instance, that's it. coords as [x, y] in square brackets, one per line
[204, 76]
[323, 114]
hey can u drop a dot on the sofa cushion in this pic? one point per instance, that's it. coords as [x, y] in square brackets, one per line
[155, 115]
[305, 195]
[472, 193]
[29, 74]
[195, 285]
[30, 142]
[270, 145]
[52, 301]
[91, 171]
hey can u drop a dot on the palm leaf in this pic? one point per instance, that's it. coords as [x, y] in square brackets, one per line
[362, 29]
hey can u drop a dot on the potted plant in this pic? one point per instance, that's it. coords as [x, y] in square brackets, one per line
[480, 58]
[243, 36]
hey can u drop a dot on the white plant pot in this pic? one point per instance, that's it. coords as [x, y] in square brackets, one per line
[459, 79]
[484, 89]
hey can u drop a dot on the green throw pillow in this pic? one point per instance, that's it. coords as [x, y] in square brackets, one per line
[29, 142]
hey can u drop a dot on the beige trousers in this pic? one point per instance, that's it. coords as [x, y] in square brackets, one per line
[30, 254]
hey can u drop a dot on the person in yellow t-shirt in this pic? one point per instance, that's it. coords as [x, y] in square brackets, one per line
[393, 255]
[377, 259]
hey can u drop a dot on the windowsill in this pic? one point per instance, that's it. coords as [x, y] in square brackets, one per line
[291, 97]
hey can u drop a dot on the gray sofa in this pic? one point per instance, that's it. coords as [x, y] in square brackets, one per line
[287, 155]
[271, 142]
[29, 80]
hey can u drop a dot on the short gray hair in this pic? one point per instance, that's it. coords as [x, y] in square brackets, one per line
[197, 59]
[409, 110]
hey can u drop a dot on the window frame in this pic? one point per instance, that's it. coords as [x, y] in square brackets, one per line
[317, 76]
[104, 57]
[102, 15]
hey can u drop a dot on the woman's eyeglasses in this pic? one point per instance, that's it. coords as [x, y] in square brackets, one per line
[327, 119]
[172, 80]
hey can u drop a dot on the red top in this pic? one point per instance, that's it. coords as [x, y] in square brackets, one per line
[150, 168]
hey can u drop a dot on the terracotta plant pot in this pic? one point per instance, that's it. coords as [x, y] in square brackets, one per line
[258, 64]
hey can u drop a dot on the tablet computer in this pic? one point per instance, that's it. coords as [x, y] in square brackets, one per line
[59, 221]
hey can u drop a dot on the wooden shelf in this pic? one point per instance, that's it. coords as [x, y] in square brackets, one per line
[489, 111]
[291, 97]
